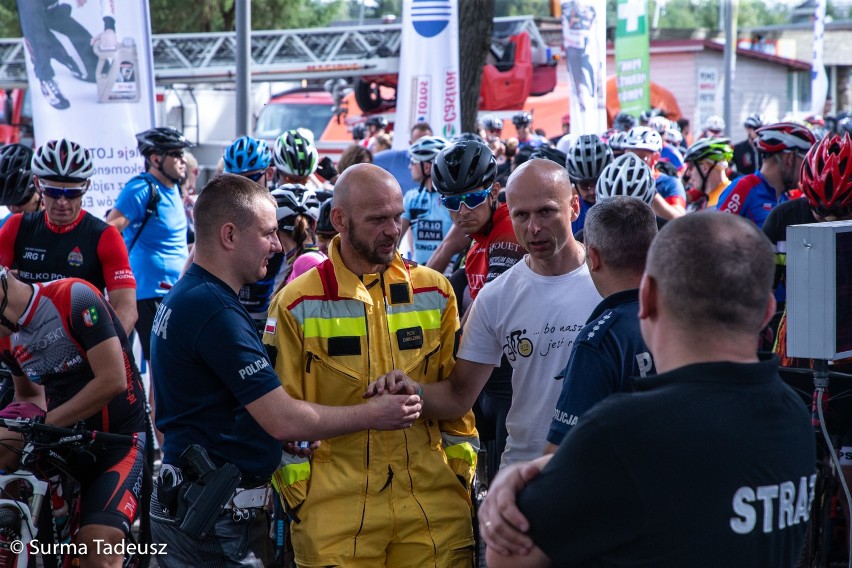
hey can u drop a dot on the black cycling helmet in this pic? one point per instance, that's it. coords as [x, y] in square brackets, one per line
[548, 153]
[492, 124]
[161, 139]
[16, 174]
[463, 167]
[624, 121]
[588, 157]
[378, 121]
[359, 132]
[467, 137]
[324, 226]
[522, 119]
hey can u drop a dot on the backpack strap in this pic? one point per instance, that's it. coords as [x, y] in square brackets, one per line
[150, 209]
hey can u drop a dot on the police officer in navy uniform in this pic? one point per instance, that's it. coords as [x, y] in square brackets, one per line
[609, 350]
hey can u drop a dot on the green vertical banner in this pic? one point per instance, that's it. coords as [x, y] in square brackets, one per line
[633, 72]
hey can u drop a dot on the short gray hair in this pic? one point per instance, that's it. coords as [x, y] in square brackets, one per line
[621, 230]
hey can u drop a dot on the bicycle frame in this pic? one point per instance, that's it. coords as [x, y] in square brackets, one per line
[29, 510]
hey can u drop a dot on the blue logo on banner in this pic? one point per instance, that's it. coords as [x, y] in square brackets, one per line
[430, 17]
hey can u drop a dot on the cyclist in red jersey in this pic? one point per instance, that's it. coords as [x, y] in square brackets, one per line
[464, 174]
[65, 241]
[69, 356]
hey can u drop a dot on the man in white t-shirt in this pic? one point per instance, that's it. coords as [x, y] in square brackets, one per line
[532, 313]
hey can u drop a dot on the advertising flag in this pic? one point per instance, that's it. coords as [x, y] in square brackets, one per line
[584, 38]
[428, 88]
[819, 78]
[91, 78]
[631, 56]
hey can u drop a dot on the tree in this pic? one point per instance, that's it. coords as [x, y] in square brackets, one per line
[476, 20]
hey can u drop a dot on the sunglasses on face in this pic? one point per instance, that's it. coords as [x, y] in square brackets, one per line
[472, 199]
[68, 193]
[255, 176]
[176, 154]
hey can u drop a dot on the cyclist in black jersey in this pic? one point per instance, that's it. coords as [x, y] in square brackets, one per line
[69, 356]
[17, 191]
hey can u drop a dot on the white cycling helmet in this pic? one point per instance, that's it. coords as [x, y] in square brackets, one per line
[63, 161]
[427, 148]
[587, 157]
[295, 154]
[643, 138]
[715, 123]
[627, 175]
[659, 123]
[673, 136]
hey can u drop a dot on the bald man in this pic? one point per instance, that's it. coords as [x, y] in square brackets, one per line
[532, 313]
[376, 498]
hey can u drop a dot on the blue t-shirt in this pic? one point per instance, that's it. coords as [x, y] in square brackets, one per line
[396, 162]
[429, 220]
[672, 155]
[751, 197]
[208, 363]
[577, 226]
[160, 251]
[670, 187]
[609, 350]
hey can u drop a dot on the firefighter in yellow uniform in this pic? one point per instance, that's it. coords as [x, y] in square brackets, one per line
[371, 498]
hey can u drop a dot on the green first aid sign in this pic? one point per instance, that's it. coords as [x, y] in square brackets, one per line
[633, 73]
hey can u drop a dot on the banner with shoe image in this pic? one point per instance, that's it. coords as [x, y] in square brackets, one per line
[91, 78]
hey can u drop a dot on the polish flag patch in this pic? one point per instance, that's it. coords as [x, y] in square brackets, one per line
[271, 325]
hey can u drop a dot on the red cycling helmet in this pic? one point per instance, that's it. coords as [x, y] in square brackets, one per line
[784, 137]
[827, 177]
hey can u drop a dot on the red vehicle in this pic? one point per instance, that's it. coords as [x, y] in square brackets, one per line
[16, 117]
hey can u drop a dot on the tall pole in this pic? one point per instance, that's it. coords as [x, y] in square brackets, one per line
[243, 78]
[730, 60]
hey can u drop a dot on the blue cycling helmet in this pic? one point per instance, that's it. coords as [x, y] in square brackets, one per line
[247, 154]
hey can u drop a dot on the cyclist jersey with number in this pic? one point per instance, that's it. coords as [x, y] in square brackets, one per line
[492, 253]
[64, 320]
[88, 249]
[429, 221]
[751, 197]
[160, 252]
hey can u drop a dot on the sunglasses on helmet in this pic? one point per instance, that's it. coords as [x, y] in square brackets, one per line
[68, 193]
[472, 199]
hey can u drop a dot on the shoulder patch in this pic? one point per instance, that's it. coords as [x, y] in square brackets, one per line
[592, 334]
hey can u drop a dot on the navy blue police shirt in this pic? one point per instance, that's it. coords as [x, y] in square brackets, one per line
[208, 363]
[609, 350]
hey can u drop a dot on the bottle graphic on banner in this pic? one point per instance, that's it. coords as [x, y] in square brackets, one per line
[118, 74]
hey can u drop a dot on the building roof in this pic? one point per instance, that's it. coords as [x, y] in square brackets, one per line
[693, 45]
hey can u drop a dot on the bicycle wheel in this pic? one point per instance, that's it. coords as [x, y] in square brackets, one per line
[10, 531]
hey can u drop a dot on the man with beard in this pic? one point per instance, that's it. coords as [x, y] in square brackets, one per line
[396, 498]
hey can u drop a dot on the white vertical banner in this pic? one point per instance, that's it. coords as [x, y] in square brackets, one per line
[584, 38]
[819, 78]
[91, 77]
[428, 88]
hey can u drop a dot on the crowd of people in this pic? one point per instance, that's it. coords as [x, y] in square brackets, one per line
[578, 311]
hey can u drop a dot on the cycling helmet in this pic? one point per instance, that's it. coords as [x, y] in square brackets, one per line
[246, 154]
[359, 132]
[784, 137]
[492, 124]
[844, 126]
[377, 121]
[287, 206]
[161, 139]
[815, 120]
[548, 153]
[467, 137]
[659, 123]
[827, 177]
[63, 161]
[465, 166]
[673, 136]
[624, 121]
[324, 226]
[713, 149]
[587, 158]
[647, 115]
[522, 119]
[754, 120]
[295, 155]
[426, 148]
[715, 123]
[643, 138]
[616, 141]
[627, 175]
[16, 175]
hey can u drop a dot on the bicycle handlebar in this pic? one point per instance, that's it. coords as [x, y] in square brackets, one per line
[66, 435]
